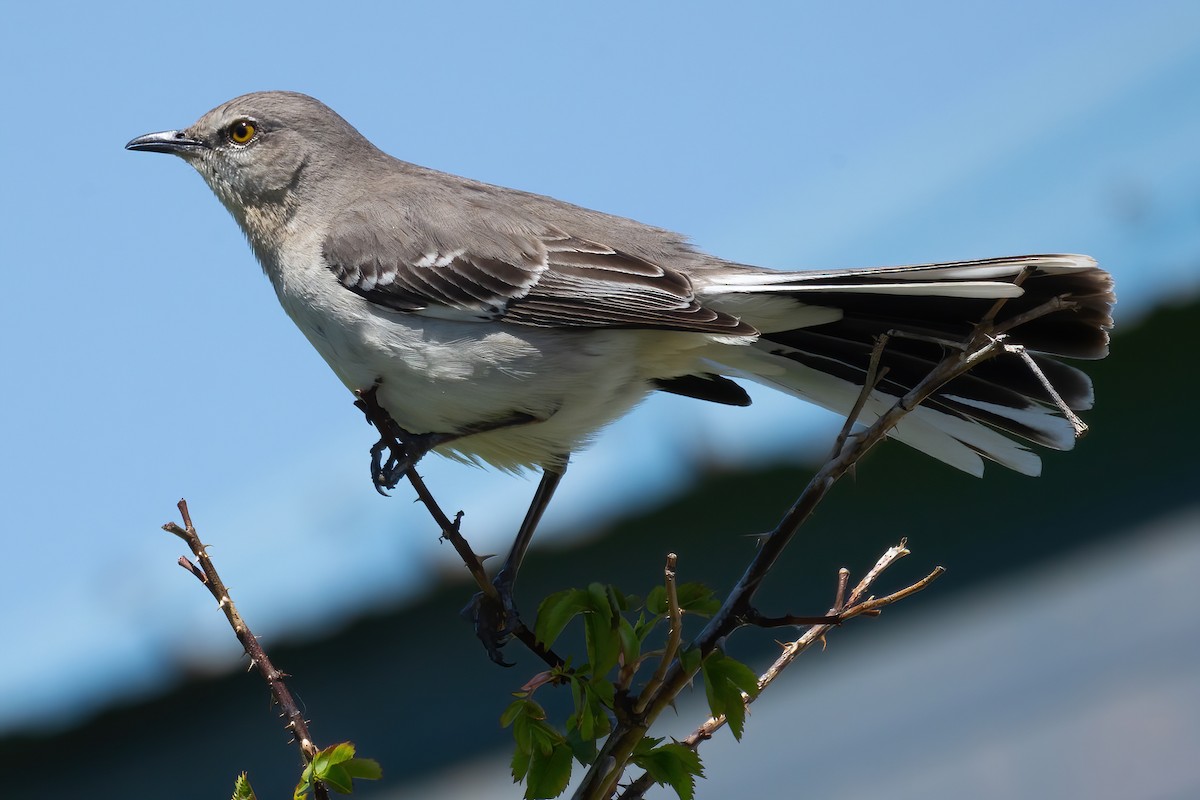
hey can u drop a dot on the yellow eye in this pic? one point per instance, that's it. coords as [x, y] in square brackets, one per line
[242, 131]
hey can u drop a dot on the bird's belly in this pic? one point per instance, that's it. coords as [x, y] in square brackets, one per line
[436, 375]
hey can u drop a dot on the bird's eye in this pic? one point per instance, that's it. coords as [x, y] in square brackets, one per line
[242, 131]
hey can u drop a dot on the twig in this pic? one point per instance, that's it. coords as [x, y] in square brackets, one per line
[206, 573]
[872, 378]
[874, 604]
[989, 318]
[815, 633]
[1077, 424]
[393, 439]
[839, 599]
[854, 607]
[451, 532]
[981, 345]
[674, 637]
[1062, 303]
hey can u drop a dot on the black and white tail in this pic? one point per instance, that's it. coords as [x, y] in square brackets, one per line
[818, 330]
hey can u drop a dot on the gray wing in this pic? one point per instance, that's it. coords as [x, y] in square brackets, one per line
[505, 274]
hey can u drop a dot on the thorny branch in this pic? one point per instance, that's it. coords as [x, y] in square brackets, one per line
[474, 564]
[674, 636]
[207, 574]
[841, 610]
[393, 438]
[986, 341]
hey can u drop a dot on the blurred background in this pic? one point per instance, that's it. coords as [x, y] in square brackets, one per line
[148, 360]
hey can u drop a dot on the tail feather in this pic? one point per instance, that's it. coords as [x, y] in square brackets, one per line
[950, 438]
[1012, 406]
[971, 416]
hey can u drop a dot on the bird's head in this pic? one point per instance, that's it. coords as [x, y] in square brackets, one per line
[264, 153]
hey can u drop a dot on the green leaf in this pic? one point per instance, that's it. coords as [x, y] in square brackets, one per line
[522, 711]
[690, 660]
[336, 778]
[520, 765]
[549, 773]
[577, 699]
[515, 709]
[600, 629]
[647, 744]
[336, 767]
[696, 598]
[631, 644]
[367, 769]
[725, 679]
[671, 765]
[241, 788]
[540, 749]
[592, 701]
[542, 739]
[556, 611]
[599, 596]
[305, 785]
[656, 601]
[644, 627]
[604, 691]
[330, 756]
[584, 750]
[522, 735]
[616, 598]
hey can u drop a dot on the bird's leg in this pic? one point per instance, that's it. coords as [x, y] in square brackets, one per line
[405, 449]
[495, 619]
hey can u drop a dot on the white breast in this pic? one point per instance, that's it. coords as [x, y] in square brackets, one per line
[439, 375]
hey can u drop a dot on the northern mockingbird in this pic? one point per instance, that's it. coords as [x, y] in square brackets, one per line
[503, 327]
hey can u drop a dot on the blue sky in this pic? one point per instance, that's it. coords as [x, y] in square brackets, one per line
[147, 358]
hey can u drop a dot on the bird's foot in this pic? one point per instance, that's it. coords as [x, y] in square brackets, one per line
[403, 452]
[403, 449]
[494, 618]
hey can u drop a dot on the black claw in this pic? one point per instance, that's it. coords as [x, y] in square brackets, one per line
[494, 622]
[406, 449]
[403, 449]
[377, 476]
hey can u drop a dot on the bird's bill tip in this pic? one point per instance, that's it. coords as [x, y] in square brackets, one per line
[175, 142]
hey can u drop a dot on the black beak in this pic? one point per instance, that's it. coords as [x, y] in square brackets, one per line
[175, 142]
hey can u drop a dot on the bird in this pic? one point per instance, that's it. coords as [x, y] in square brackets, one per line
[505, 328]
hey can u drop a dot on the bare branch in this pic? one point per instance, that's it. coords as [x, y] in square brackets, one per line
[1061, 303]
[839, 600]
[815, 633]
[985, 342]
[1076, 423]
[873, 376]
[674, 637]
[989, 318]
[873, 605]
[206, 573]
[451, 532]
